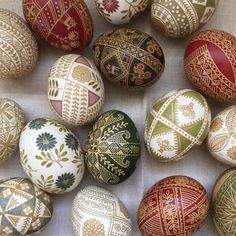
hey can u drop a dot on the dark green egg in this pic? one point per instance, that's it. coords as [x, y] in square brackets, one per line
[112, 148]
[129, 58]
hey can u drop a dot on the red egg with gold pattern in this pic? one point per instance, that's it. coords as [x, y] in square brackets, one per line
[210, 64]
[175, 206]
[64, 24]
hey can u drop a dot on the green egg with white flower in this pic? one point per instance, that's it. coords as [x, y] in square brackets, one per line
[51, 156]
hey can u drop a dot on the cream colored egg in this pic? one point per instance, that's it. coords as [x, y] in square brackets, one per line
[120, 12]
[177, 123]
[12, 122]
[51, 156]
[95, 211]
[221, 140]
[75, 90]
[18, 47]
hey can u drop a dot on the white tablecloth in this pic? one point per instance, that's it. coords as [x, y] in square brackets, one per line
[31, 94]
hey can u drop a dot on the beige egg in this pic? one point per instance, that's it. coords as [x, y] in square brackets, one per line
[97, 212]
[12, 122]
[18, 47]
[221, 140]
[75, 90]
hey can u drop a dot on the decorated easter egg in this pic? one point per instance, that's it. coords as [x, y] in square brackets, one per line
[176, 124]
[210, 64]
[76, 91]
[95, 211]
[223, 201]
[64, 24]
[119, 11]
[25, 209]
[18, 47]
[129, 58]
[12, 122]
[221, 140]
[112, 148]
[178, 19]
[51, 156]
[177, 205]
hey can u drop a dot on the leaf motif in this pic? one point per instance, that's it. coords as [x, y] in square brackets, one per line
[64, 159]
[49, 164]
[219, 142]
[43, 154]
[64, 154]
[42, 177]
[39, 158]
[56, 151]
[49, 156]
[44, 163]
[231, 120]
[62, 147]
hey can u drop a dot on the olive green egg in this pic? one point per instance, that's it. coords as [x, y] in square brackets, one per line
[112, 148]
[223, 201]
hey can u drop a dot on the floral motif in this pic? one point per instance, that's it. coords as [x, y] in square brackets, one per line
[46, 141]
[37, 123]
[65, 181]
[232, 153]
[71, 142]
[110, 5]
[73, 35]
[140, 74]
[152, 47]
[93, 227]
[188, 110]
[216, 124]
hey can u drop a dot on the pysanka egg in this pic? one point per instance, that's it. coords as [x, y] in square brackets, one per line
[25, 209]
[221, 140]
[12, 122]
[97, 212]
[129, 58]
[51, 156]
[64, 24]
[112, 148]
[178, 19]
[18, 47]
[177, 205]
[119, 11]
[223, 200]
[210, 64]
[177, 123]
[76, 91]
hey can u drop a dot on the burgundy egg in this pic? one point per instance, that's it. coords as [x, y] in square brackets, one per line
[64, 24]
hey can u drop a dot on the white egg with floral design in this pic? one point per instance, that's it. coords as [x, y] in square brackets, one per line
[96, 211]
[51, 156]
[120, 12]
[221, 140]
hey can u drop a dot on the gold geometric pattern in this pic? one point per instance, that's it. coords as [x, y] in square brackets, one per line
[24, 209]
[18, 47]
[12, 122]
